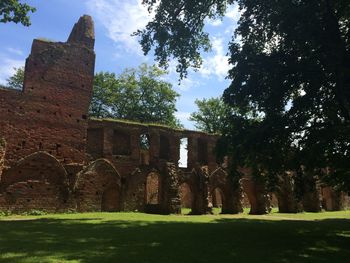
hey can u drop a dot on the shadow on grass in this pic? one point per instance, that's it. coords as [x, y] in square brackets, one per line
[224, 240]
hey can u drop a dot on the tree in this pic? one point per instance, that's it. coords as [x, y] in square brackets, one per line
[177, 30]
[14, 11]
[211, 116]
[136, 94]
[291, 67]
[16, 80]
[104, 84]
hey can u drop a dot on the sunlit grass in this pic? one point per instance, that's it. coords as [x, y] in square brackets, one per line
[137, 237]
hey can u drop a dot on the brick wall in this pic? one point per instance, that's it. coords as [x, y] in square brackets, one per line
[50, 113]
[50, 151]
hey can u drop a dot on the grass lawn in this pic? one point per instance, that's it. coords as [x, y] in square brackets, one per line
[136, 237]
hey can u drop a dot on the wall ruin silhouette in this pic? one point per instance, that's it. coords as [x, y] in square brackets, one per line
[53, 157]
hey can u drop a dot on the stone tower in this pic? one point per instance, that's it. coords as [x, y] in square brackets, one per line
[50, 113]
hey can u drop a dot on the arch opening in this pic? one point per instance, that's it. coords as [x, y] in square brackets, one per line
[152, 189]
[217, 200]
[186, 198]
[248, 195]
[144, 149]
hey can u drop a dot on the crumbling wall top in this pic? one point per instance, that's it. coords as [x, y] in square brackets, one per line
[50, 114]
[83, 32]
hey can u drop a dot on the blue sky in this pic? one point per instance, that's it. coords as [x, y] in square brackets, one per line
[115, 49]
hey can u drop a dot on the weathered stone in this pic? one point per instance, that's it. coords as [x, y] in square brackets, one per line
[198, 178]
[50, 114]
[257, 194]
[286, 195]
[311, 198]
[55, 158]
[170, 189]
[332, 200]
[98, 188]
[83, 32]
[38, 182]
[230, 192]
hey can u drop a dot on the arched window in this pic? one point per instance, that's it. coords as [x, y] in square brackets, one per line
[183, 162]
[152, 189]
[186, 198]
[217, 196]
[144, 149]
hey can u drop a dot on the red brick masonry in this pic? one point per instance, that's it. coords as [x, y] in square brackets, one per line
[54, 158]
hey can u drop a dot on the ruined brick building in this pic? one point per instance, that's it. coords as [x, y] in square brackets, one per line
[53, 157]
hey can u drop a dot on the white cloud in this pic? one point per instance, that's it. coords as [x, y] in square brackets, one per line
[218, 45]
[184, 119]
[183, 153]
[233, 12]
[216, 22]
[7, 68]
[15, 51]
[217, 64]
[121, 18]
[187, 84]
[182, 116]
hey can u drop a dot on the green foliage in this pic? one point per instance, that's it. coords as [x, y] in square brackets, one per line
[35, 212]
[177, 30]
[144, 124]
[291, 68]
[44, 39]
[212, 115]
[5, 213]
[144, 142]
[16, 81]
[15, 11]
[136, 94]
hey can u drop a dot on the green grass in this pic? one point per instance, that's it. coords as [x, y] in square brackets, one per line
[136, 237]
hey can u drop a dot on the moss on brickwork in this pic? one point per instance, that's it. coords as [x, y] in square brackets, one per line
[46, 40]
[144, 124]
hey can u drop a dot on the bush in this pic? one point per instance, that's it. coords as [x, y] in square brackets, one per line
[35, 213]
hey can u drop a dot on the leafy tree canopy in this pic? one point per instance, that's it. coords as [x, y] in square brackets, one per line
[291, 67]
[16, 80]
[177, 30]
[136, 94]
[15, 11]
[211, 116]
